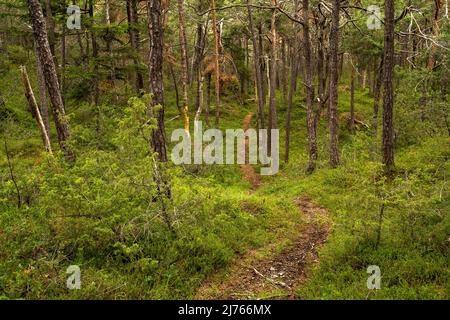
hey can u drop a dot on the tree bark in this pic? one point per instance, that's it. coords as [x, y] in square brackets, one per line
[273, 74]
[388, 97]
[216, 63]
[292, 87]
[154, 12]
[352, 100]
[309, 90]
[133, 31]
[256, 65]
[184, 63]
[51, 78]
[34, 106]
[333, 119]
[42, 93]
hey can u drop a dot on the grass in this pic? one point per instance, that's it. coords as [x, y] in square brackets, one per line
[99, 215]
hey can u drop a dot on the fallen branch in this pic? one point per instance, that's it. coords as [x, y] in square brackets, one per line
[278, 283]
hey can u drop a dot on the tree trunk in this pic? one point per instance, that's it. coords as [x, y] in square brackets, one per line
[262, 66]
[42, 93]
[333, 119]
[216, 62]
[436, 30]
[256, 64]
[175, 87]
[309, 90]
[184, 63]
[273, 75]
[292, 87]
[388, 96]
[51, 78]
[33, 105]
[133, 31]
[208, 97]
[352, 100]
[154, 12]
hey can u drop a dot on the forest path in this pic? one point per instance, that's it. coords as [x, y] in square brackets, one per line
[270, 272]
[248, 171]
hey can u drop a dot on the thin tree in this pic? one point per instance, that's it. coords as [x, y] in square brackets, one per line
[34, 106]
[256, 62]
[309, 90]
[154, 12]
[216, 62]
[333, 119]
[184, 63]
[273, 74]
[388, 94]
[51, 78]
[133, 31]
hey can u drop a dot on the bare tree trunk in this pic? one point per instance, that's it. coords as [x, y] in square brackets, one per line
[292, 87]
[436, 30]
[309, 90]
[262, 66]
[208, 97]
[63, 61]
[175, 87]
[378, 75]
[216, 62]
[51, 28]
[352, 100]
[273, 75]
[42, 93]
[283, 70]
[33, 105]
[184, 64]
[133, 30]
[388, 97]
[109, 49]
[51, 78]
[256, 63]
[333, 119]
[154, 11]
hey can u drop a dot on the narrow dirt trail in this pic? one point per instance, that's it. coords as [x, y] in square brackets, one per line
[248, 171]
[270, 273]
[278, 274]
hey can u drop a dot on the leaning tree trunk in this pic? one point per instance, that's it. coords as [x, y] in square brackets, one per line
[184, 64]
[388, 95]
[154, 12]
[51, 78]
[34, 106]
[333, 120]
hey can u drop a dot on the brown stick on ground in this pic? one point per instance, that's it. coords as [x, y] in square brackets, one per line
[33, 104]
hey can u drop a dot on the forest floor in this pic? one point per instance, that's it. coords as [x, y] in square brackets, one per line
[268, 273]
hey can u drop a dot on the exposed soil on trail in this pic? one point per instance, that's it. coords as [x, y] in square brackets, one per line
[248, 171]
[278, 274]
